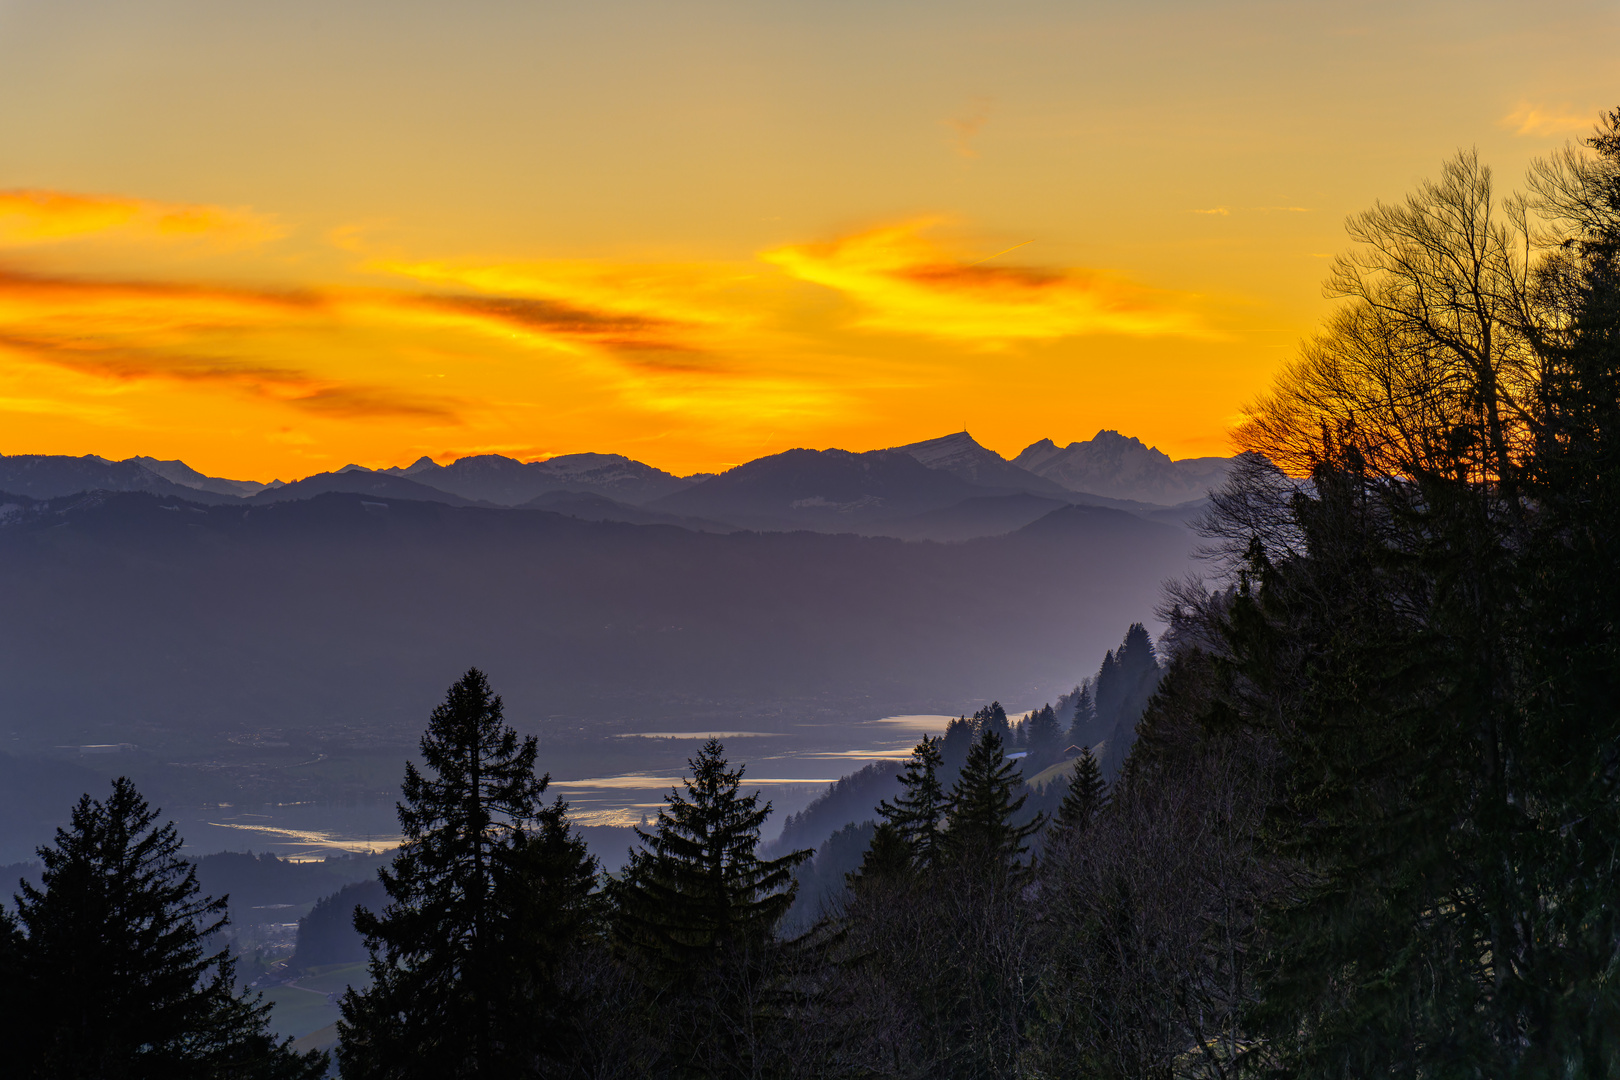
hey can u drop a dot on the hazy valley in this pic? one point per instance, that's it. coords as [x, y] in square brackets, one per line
[227, 642]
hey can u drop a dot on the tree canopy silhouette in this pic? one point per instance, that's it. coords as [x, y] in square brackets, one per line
[117, 976]
[487, 893]
[698, 885]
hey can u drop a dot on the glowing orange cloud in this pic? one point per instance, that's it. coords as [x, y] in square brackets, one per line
[545, 322]
[648, 316]
[36, 217]
[686, 358]
[904, 284]
[136, 330]
[701, 341]
[238, 339]
[674, 294]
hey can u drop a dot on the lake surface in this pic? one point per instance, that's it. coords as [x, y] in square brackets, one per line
[789, 770]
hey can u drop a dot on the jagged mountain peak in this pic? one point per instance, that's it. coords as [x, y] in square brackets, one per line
[178, 472]
[960, 454]
[1110, 441]
[936, 452]
[1123, 467]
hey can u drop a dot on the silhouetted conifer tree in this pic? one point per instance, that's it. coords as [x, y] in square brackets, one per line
[1084, 798]
[117, 979]
[487, 892]
[697, 911]
[982, 807]
[1123, 686]
[994, 717]
[1108, 689]
[1045, 736]
[698, 885]
[917, 815]
[1085, 714]
[956, 742]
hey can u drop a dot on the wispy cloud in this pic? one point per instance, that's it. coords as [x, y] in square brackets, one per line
[240, 340]
[31, 216]
[1543, 120]
[674, 294]
[903, 283]
[549, 323]
[293, 387]
[129, 331]
[470, 343]
[1218, 211]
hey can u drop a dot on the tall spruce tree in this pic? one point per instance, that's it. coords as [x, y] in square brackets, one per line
[918, 814]
[485, 895]
[1085, 715]
[1108, 692]
[698, 886]
[697, 914]
[1045, 735]
[117, 979]
[1084, 799]
[982, 808]
[994, 717]
[956, 742]
[1124, 684]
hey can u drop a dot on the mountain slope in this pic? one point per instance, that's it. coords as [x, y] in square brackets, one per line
[506, 482]
[47, 476]
[961, 455]
[824, 490]
[588, 506]
[982, 515]
[178, 472]
[1121, 467]
[338, 616]
[357, 481]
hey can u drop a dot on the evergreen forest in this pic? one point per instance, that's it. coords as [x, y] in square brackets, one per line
[1362, 818]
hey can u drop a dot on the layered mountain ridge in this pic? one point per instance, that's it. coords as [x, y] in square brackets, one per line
[950, 488]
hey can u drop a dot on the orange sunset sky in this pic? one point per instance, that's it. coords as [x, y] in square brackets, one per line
[272, 239]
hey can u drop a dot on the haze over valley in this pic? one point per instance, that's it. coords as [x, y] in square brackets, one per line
[261, 656]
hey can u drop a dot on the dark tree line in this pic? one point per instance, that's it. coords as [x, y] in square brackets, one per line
[504, 952]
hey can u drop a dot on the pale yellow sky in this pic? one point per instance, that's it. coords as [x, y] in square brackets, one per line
[273, 239]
